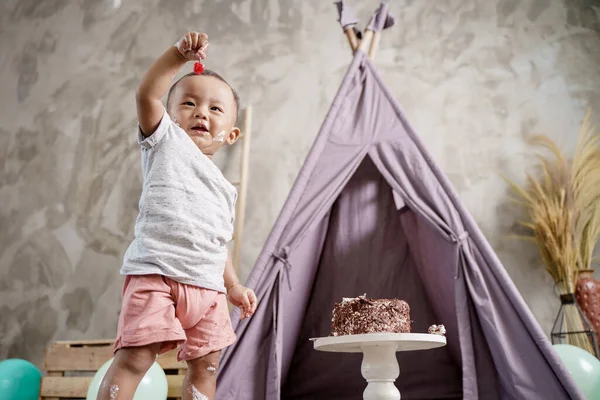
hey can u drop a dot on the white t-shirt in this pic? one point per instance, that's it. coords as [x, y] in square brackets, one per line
[186, 212]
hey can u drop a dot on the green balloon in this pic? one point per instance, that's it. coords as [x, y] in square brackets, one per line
[19, 380]
[154, 385]
[583, 366]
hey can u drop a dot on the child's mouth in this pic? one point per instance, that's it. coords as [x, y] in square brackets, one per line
[202, 130]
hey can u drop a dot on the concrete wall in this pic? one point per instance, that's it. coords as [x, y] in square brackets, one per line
[476, 77]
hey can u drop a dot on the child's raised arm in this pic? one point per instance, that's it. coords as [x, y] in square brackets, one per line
[155, 83]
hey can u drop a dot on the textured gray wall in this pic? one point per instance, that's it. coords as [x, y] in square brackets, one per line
[474, 76]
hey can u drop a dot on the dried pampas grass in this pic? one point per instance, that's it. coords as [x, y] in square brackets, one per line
[563, 215]
[562, 205]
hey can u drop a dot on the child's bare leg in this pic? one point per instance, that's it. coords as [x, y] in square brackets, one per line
[126, 371]
[200, 381]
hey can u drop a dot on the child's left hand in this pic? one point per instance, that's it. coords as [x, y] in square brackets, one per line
[243, 298]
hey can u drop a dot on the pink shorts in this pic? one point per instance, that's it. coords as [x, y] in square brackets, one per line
[157, 309]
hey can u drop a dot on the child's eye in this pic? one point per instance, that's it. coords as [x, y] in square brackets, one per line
[188, 103]
[216, 109]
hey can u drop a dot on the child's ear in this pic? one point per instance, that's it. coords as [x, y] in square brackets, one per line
[233, 136]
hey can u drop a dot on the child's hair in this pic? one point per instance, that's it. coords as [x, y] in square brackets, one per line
[208, 72]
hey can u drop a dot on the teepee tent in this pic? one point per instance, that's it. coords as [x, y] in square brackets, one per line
[370, 212]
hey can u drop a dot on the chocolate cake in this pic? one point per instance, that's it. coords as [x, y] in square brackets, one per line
[363, 315]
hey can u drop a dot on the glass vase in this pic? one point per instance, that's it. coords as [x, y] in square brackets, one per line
[572, 327]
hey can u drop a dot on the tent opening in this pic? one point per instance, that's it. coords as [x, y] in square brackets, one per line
[373, 245]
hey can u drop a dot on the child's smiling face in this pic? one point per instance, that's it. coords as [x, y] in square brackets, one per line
[205, 108]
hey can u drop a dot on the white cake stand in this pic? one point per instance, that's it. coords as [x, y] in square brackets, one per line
[379, 365]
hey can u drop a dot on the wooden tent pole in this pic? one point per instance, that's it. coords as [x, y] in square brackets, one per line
[374, 45]
[352, 38]
[365, 42]
[241, 202]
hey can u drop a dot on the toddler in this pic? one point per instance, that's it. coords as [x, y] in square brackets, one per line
[179, 273]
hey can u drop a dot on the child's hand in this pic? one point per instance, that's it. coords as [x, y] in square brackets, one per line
[243, 298]
[193, 45]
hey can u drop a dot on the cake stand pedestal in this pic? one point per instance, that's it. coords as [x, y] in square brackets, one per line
[379, 365]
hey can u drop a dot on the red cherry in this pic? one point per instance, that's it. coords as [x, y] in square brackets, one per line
[198, 67]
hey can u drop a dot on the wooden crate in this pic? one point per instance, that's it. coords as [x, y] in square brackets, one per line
[71, 365]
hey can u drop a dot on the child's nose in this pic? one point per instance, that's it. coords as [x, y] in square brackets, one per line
[201, 113]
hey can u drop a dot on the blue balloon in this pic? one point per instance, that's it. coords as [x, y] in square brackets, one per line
[19, 380]
[584, 368]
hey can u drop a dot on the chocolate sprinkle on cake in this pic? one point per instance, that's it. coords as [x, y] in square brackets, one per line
[363, 315]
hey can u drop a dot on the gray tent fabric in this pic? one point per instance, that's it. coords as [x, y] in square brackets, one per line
[347, 17]
[370, 212]
[381, 18]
